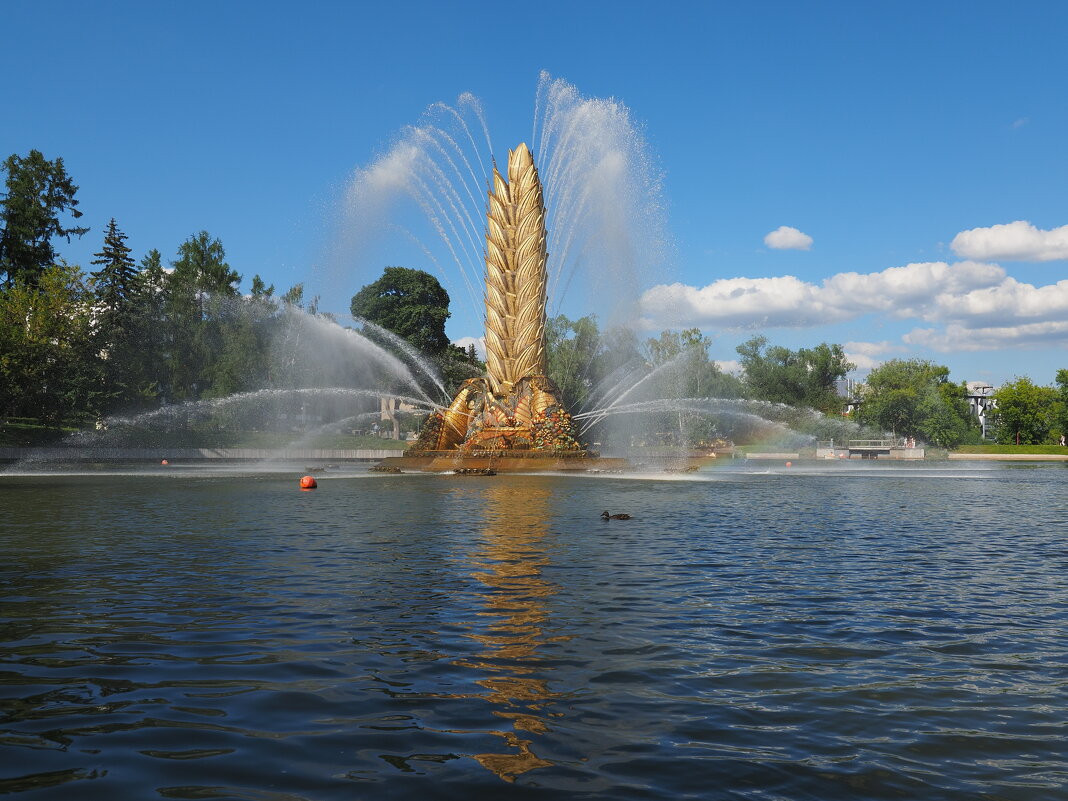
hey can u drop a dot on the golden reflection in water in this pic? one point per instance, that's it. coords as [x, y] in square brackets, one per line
[509, 563]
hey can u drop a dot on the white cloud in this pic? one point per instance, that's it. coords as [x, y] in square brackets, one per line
[732, 366]
[1006, 303]
[974, 306]
[478, 342]
[869, 355]
[862, 361]
[957, 337]
[1015, 241]
[1021, 122]
[787, 302]
[873, 348]
[786, 238]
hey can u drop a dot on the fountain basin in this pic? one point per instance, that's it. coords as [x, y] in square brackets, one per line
[517, 461]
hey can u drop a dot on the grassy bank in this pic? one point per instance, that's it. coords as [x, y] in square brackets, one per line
[22, 433]
[1052, 450]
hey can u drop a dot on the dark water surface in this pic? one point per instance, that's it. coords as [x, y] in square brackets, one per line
[839, 632]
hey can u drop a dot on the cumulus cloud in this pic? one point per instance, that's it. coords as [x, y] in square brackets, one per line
[1015, 241]
[478, 342]
[869, 355]
[732, 366]
[915, 290]
[786, 238]
[961, 337]
[972, 305]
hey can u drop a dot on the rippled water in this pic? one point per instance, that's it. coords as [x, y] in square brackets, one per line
[839, 632]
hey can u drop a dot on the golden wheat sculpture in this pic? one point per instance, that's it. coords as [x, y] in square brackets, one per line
[516, 407]
[515, 275]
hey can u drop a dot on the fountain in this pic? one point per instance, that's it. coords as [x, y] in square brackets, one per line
[513, 414]
[595, 225]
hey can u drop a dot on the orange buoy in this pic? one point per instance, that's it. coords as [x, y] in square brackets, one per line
[164, 462]
[789, 464]
[308, 483]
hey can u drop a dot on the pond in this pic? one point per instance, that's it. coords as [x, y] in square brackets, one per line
[835, 631]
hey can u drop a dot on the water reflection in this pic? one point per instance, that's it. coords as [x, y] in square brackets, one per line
[508, 562]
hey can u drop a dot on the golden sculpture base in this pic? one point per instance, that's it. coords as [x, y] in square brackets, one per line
[504, 462]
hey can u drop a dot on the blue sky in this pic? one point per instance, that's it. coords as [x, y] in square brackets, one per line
[879, 131]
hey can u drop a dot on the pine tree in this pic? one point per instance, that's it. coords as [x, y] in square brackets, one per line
[116, 286]
[115, 283]
[38, 191]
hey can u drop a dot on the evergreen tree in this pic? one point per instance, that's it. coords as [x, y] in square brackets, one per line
[115, 284]
[152, 326]
[119, 331]
[198, 292]
[37, 192]
[201, 264]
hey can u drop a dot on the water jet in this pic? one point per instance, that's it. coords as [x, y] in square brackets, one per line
[512, 418]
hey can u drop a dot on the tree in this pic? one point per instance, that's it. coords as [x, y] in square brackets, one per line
[1062, 391]
[116, 286]
[410, 303]
[686, 370]
[151, 305]
[116, 281]
[805, 377]
[260, 289]
[48, 365]
[201, 264]
[38, 192]
[200, 289]
[573, 350]
[1026, 414]
[915, 398]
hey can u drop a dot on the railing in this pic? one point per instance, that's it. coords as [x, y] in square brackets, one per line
[871, 444]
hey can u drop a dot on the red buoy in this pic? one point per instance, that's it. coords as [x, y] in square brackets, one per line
[164, 462]
[308, 483]
[789, 464]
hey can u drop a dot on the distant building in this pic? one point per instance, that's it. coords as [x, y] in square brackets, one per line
[981, 401]
[845, 387]
[851, 390]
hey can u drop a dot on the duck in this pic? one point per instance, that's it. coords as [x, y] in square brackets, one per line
[606, 516]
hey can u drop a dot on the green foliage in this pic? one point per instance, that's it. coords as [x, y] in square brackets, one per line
[685, 369]
[261, 290]
[915, 398]
[121, 327]
[1027, 414]
[201, 265]
[414, 306]
[1061, 420]
[456, 365]
[804, 377]
[586, 364]
[573, 348]
[38, 191]
[411, 304]
[49, 368]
